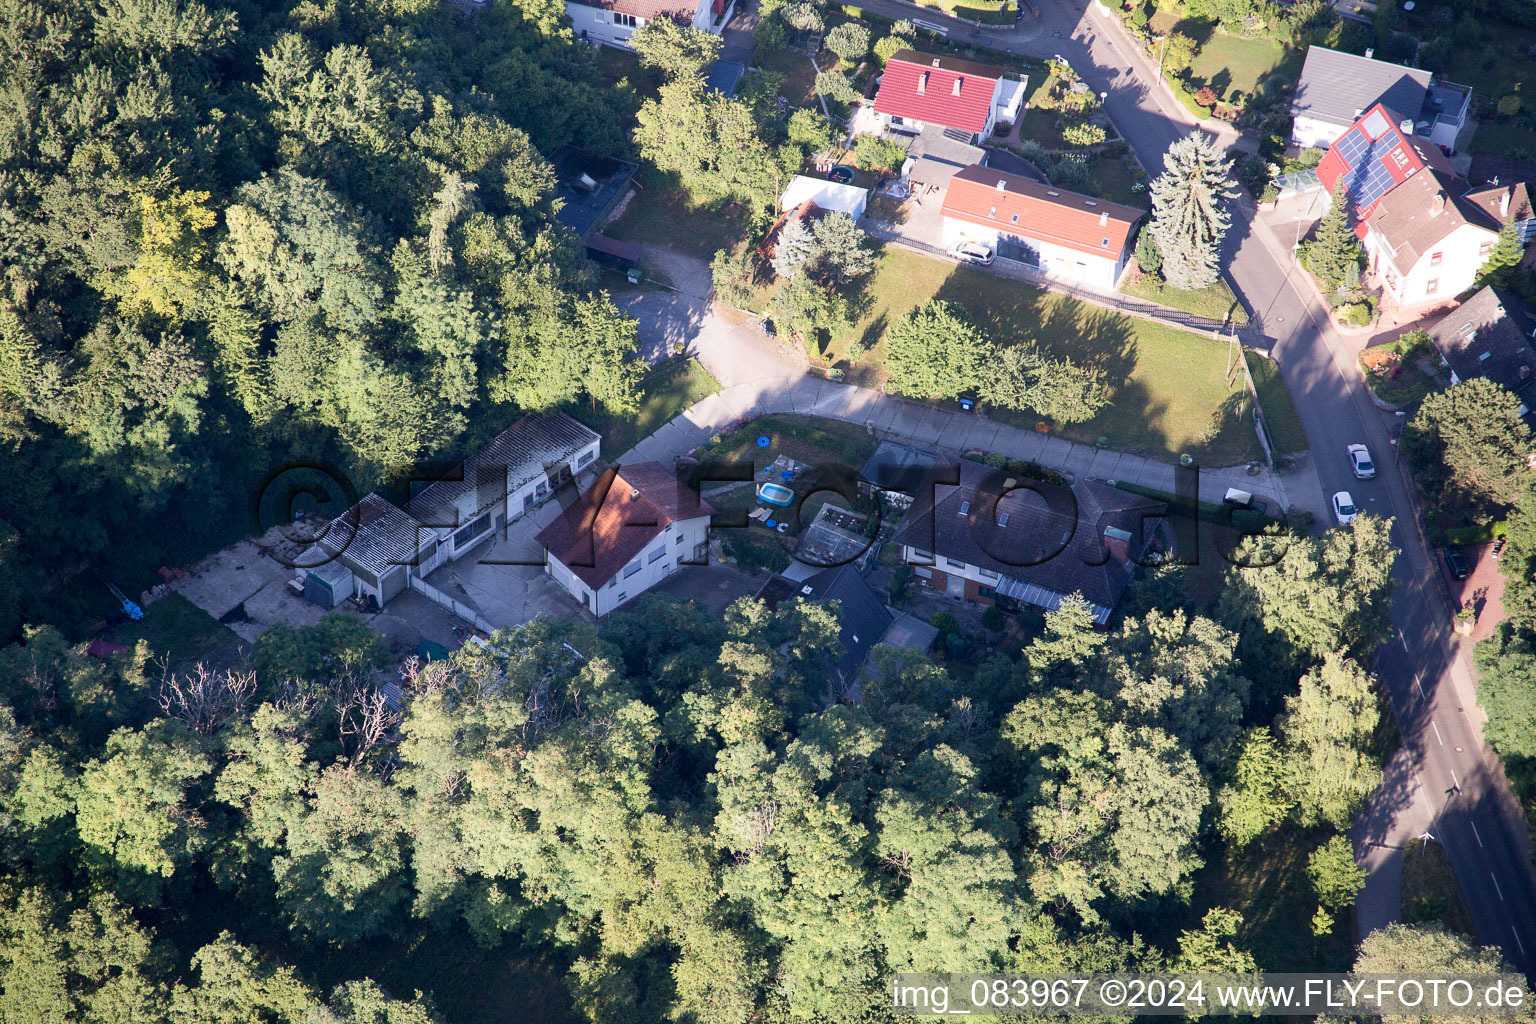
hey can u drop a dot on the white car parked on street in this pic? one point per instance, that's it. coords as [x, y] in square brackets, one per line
[1344, 508]
[1360, 459]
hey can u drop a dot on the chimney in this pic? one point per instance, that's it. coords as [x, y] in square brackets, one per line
[1504, 204]
[935, 62]
[634, 492]
[1002, 186]
[1437, 204]
[1405, 126]
[955, 91]
[1103, 219]
[1118, 543]
[922, 83]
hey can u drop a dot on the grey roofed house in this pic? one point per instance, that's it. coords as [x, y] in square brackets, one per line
[1036, 544]
[863, 618]
[513, 457]
[1490, 335]
[1338, 87]
[938, 155]
[372, 536]
[588, 186]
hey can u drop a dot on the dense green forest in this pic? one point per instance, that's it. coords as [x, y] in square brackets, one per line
[238, 235]
[655, 820]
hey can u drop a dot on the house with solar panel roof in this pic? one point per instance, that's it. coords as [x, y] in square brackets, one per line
[1424, 240]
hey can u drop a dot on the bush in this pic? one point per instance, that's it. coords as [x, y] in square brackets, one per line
[767, 39]
[886, 47]
[1356, 314]
[946, 624]
[849, 41]
[1509, 104]
[900, 576]
[1181, 90]
[880, 154]
[1206, 97]
[803, 16]
[1083, 135]
[733, 275]
[996, 460]
[834, 85]
[993, 619]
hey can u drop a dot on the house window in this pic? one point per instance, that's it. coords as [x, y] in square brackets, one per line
[679, 537]
[541, 489]
[1432, 286]
[627, 20]
[621, 599]
[1105, 242]
[922, 573]
[965, 508]
[1435, 258]
[472, 531]
[1483, 357]
[1400, 158]
[986, 592]
[1002, 519]
[661, 549]
[954, 564]
[588, 457]
[992, 212]
[1015, 218]
[631, 568]
[1485, 249]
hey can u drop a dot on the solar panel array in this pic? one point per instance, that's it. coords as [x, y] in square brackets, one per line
[1368, 179]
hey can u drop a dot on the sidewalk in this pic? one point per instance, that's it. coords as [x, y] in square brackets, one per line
[939, 428]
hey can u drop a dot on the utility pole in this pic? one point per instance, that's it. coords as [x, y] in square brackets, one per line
[1160, 51]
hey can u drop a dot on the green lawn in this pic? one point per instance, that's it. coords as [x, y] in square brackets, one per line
[799, 76]
[1215, 302]
[1227, 62]
[1114, 178]
[1039, 126]
[1513, 138]
[668, 391]
[1169, 392]
[663, 214]
[184, 634]
[1285, 427]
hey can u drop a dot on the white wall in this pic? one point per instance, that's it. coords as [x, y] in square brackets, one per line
[519, 499]
[1461, 258]
[601, 27]
[678, 545]
[1055, 260]
[1306, 132]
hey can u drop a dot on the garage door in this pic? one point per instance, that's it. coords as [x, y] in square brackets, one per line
[392, 582]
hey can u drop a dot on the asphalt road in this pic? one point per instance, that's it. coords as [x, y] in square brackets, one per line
[1444, 768]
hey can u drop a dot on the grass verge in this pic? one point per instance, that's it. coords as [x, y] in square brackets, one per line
[1285, 426]
[1214, 302]
[663, 214]
[1430, 890]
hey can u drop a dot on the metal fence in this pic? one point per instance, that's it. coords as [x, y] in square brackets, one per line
[442, 600]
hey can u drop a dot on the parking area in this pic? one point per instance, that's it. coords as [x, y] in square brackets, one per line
[245, 586]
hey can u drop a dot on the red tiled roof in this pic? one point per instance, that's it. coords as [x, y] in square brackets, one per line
[604, 529]
[1418, 216]
[921, 86]
[1375, 138]
[1033, 210]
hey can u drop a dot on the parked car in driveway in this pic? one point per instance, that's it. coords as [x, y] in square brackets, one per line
[1360, 459]
[1344, 509]
[1456, 563]
[1235, 498]
[972, 252]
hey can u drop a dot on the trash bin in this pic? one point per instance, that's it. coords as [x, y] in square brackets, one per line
[635, 275]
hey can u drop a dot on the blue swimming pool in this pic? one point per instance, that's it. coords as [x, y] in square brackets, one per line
[776, 494]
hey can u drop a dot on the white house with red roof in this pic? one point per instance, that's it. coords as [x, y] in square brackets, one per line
[919, 89]
[1424, 242]
[633, 528]
[1065, 235]
[612, 22]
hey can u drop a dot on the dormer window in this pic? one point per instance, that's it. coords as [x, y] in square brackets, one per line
[965, 508]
